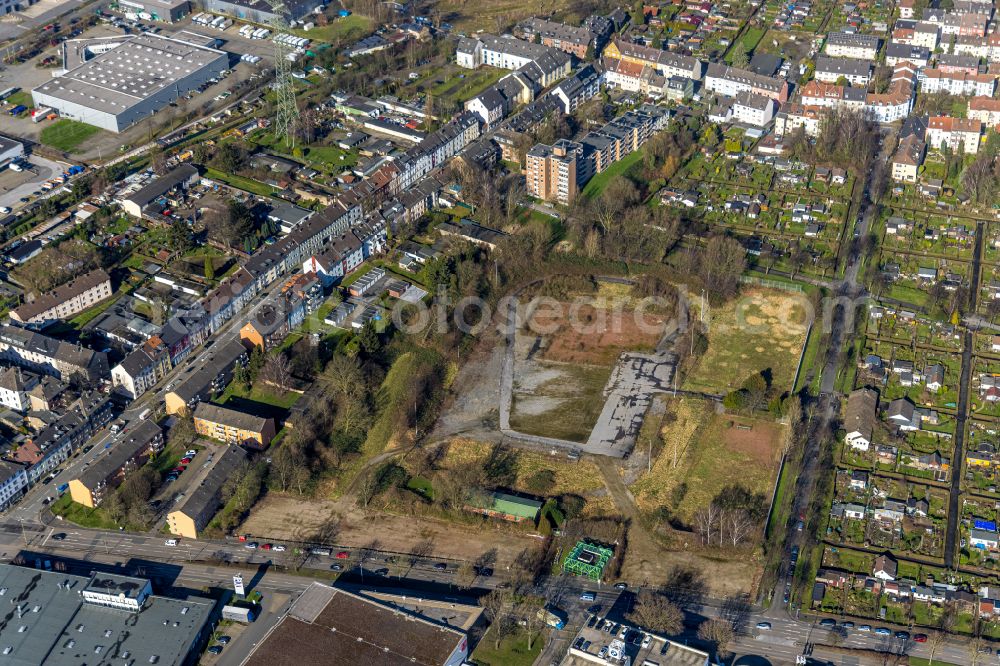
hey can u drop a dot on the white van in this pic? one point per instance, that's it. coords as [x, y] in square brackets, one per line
[170, 542]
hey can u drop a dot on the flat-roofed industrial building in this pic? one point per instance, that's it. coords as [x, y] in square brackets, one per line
[129, 83]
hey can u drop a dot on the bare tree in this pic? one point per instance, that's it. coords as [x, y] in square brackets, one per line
[277, 372]
[655, 612]
[719, 633]
[935, 641]
[421, 549]
[497, 606]
[465, 575]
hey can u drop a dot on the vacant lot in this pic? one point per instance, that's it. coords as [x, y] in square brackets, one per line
[763, 330]
[703, 452]
[66, 135]
[581, 478]
[596, 335]
[291, 519]
[558, 400]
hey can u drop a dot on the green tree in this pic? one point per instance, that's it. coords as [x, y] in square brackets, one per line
[740, 56]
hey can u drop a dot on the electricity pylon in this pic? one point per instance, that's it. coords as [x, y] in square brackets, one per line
[286, 121]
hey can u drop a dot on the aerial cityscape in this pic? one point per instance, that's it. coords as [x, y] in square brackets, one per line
[500, 333]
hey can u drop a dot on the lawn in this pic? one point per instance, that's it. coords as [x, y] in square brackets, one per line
[763, 330]
[239, 182]
[619, 168]
[702, 453]
[21, 98]
[513, 650]
[66, 135]
[259, 397]
[77, 513]
[344, 29]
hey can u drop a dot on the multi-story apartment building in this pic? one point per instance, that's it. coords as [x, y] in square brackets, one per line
[49, 356]
[65, 301]
[551, 171]
[666, 63]
[108, 472]
[985, 110]
[954, 133]
[793, 116]
[14, 388]
[13, 483]
[730, 81]
[908, 158]
[851, 45]
[577, 41]
[233, 426]
[753, 109]
[957, 83]
[142, 368]
[926, 34]
[855, 72]
[896, 53]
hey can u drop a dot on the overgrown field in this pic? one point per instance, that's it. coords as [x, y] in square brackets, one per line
[702, 453]
[762, 331]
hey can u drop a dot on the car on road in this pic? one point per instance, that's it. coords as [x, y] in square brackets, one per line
[882, 631]
[799, 525]
[764, 626]
[588, 596]
[847, 625]
[59, 536]
[170, 542]
[215, 649]
[185, 461]
[278, 548]
[252, 545]
[441, 566]
[983, 650]
[381, 572]
[45, 501]
[865, 628]
[920, 638]
[336, 567]
[343, 555]
[223, 640]
[827, 622]
[903, 635]
[621, 586]
[266, 546]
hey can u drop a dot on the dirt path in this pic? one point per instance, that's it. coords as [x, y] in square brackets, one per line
[647, 562]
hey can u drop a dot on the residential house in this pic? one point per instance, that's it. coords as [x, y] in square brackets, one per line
[885, 567]
[859, 418]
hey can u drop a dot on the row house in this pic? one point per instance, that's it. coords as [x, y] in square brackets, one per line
[666, 63]
[142, 368]
[896, 53]
[974, 47]
[956, 62]
[108, 472]
[817, 94]
[577, 41]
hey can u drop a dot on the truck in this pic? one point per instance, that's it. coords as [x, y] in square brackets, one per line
[144, 414]
[40, 114]
[4, 94]
[552, 616]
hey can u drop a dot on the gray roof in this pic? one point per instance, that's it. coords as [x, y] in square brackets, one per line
[230, 417]
[67, 631]
[108, 464]
[131, 73]
[907, 52]
[220, 361]
[163, 184]
[202, 502]
[87, 360]
[843, 66]
[852, 39]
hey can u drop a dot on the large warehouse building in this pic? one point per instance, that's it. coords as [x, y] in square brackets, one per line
[129, 83]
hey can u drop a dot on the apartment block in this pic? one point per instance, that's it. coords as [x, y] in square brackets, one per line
[551, 171]
[109, 471]
[65, 301]
[233, 426]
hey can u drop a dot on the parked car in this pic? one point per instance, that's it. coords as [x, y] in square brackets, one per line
[266, 546]
[882, 631]
[920, 638]
[59, 537]
[764, 626]
[223, 640]
[441, 566]
[215, 649]
[279, 548]
[621, 586]
[252, 545]
[343, 555]
[865, 628]
[827, 622]
[336, 567]
[903, 635]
